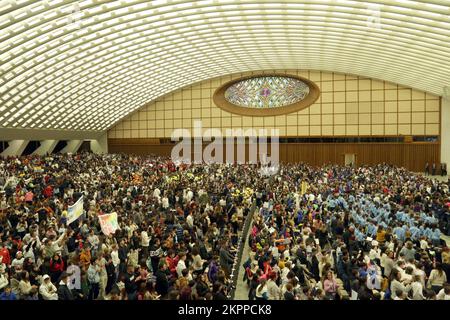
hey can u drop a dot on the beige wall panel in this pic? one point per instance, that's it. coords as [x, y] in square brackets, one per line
[377, 129]
[404, 106]
[404, 129]
[339, 108]
[364, 84]
[326, 86]
[303, 120]
[377, 107]
[327, 119]
[390, 118]
[432, 117]
[417, 105]
[351, 85]
[291, 131]
[417, 129]
[315, 130]
[303, 130]
[418, 95]
[352, 130]
[432, 105]
[364, 118]
[339, 119]
[327, 130]
[348, 105]
[339, 130]
[351, 96]
[314, 119]
[432, 129]
[404, 117]
[339, 96]
[327, 97]
[327, 108]
[291, 120]
[391, 129]
[327, 76]
[391, 106]
[364, 130]
[315, 109]
[404, 94]
[377, 118]
[339, 86]
[377, 85]
[418, 117]
[390, 95]
[364, 107]
[351, 118]
[351, 107]
[364, 95]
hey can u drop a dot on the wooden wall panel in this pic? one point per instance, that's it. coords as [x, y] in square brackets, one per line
[412, 156]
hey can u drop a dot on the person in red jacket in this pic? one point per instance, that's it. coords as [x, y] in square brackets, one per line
[57, 267]
[4, 255]
[48, 191]
[172, 261]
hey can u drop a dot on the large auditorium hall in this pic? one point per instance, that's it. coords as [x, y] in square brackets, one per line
[202, 153]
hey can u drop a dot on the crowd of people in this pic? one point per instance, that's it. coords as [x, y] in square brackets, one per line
[325, 232]
[340, 233]
[178, 228]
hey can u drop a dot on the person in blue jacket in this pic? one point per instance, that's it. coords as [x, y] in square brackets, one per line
[7, 294]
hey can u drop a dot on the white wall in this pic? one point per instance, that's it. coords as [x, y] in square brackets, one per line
[100, 146]
[15, 148]
[445, 130]
[47, 146]
[72, 146]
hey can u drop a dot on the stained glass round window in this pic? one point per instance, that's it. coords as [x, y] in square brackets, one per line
[266, 95]
[267, 92]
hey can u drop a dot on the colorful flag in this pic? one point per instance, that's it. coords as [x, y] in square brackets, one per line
[108, 223]
[75, 211]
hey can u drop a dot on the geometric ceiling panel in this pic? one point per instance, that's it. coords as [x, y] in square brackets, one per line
[84, 65]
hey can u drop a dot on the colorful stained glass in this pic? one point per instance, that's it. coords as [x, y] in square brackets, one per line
[267, 92]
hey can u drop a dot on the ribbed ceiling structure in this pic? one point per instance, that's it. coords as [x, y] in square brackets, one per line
[84, 65]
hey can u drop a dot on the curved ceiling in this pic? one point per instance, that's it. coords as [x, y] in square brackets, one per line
[84, 65]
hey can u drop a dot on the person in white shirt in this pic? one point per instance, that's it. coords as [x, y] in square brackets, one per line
[156, 193]
[285, 271]
[4, 280]
[74, 279]
[47, 289]
[444, 293]
[115, 258]
[375, 252]
[261, 291]
[181, 265]
[189, 195]
[417, 288]
[165, 202]
[190, 220]
[17, 263]
[273, 291]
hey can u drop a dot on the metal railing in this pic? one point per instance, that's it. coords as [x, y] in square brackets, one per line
[240, 249]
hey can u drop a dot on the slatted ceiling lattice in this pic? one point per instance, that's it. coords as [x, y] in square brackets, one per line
[87, 64]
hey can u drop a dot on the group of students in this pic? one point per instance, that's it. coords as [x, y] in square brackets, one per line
[339, 233]
[179, 226]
